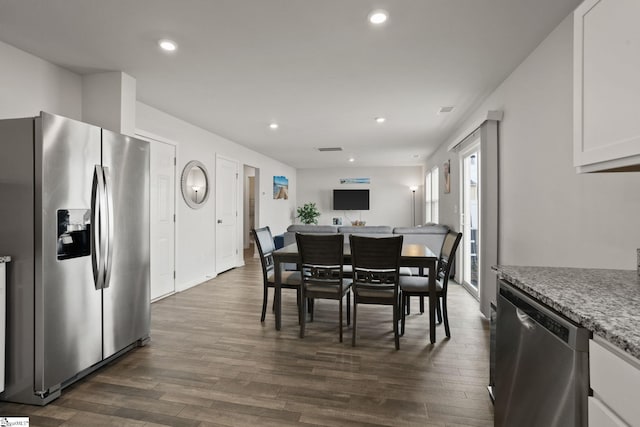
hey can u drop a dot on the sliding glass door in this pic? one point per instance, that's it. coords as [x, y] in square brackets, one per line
[470, 216]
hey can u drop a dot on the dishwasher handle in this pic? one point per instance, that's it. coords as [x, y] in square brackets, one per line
[526, 321]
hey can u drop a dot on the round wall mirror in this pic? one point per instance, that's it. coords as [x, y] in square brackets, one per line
[195, 184]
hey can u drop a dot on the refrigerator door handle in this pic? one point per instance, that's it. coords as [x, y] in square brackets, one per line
[110, 226]
[97, 241]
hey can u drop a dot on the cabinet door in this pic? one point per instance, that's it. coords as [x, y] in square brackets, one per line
[601, 416]
[614, 377]
[606, 85]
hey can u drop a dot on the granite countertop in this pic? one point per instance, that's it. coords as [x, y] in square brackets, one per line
[606, 302]
[5, 259]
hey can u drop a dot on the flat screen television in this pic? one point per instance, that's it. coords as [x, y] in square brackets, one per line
[350, 200]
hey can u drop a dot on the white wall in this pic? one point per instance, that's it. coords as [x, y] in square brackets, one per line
[29, 85]
[195, 229]
[548, 214]
[390, 197]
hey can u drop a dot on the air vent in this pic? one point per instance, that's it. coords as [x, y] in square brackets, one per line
[330, 149]
[445, 110]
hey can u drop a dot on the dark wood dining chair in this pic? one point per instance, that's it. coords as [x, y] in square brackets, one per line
[376, 271]
[419, 285]
[321, 257]
[290, 279]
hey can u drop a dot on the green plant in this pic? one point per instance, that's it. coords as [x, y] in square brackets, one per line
[308, 213]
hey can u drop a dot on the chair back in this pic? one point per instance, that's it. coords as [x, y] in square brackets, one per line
[321, 258]
[376, 261]
[447, 256]
[266, 246]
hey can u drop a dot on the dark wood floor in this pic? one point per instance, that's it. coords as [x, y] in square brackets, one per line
[211, 362]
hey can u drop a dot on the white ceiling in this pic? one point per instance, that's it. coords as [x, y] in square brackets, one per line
[318, 68]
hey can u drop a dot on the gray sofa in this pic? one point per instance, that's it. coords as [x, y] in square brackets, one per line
[430, 235]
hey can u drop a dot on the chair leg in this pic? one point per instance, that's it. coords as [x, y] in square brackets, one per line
[348, 308]
[438, 312]
[408, 306]
[403, 310]
[396, 334]
[340, 318]
[446, 318]
[264, 303]
[312, 307]
[302, 312]
[355, 316]
[421, 305]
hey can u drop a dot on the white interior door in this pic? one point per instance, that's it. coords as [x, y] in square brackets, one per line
[162, 219]
[226, 213]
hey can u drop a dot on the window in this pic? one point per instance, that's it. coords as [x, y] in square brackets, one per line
[431, 182]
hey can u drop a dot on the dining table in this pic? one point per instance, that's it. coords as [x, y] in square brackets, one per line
[413, 255]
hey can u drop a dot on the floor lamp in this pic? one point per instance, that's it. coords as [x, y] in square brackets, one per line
[413, 203]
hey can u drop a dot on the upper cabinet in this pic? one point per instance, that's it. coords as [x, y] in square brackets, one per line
[606, 86]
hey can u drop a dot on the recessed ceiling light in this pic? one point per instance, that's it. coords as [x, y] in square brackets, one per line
[380, 120]
[273, 126]
[446, 109]
[351, 159]
[378, 16]
[168, 45]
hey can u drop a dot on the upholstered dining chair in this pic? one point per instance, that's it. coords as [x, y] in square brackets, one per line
[419, 285]
[376, 271]
[321, 257]
[290, 279]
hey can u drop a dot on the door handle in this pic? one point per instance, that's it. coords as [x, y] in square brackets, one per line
[108, 191]
[219, 221]
[97, 247]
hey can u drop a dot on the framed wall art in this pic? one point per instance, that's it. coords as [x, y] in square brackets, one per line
[280, 187]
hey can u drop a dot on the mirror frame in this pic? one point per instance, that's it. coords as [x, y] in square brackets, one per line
[185, 188]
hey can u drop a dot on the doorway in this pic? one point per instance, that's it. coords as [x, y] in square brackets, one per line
[249, 205]
[479, 193]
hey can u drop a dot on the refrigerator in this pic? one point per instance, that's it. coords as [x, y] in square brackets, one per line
[74, 217]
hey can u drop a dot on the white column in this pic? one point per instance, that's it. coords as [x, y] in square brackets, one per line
[109, 101]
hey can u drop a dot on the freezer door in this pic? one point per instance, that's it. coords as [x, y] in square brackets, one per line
[68, 333]
[126, 306]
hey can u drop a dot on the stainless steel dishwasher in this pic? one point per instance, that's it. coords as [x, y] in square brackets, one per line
[542, 365]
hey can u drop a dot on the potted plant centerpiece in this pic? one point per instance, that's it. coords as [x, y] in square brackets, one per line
[308, 213]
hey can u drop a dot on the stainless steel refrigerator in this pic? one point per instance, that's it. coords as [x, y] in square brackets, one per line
[74, 217]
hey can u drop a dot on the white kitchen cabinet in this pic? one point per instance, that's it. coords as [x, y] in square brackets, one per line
[614, 377]
[607, 85]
